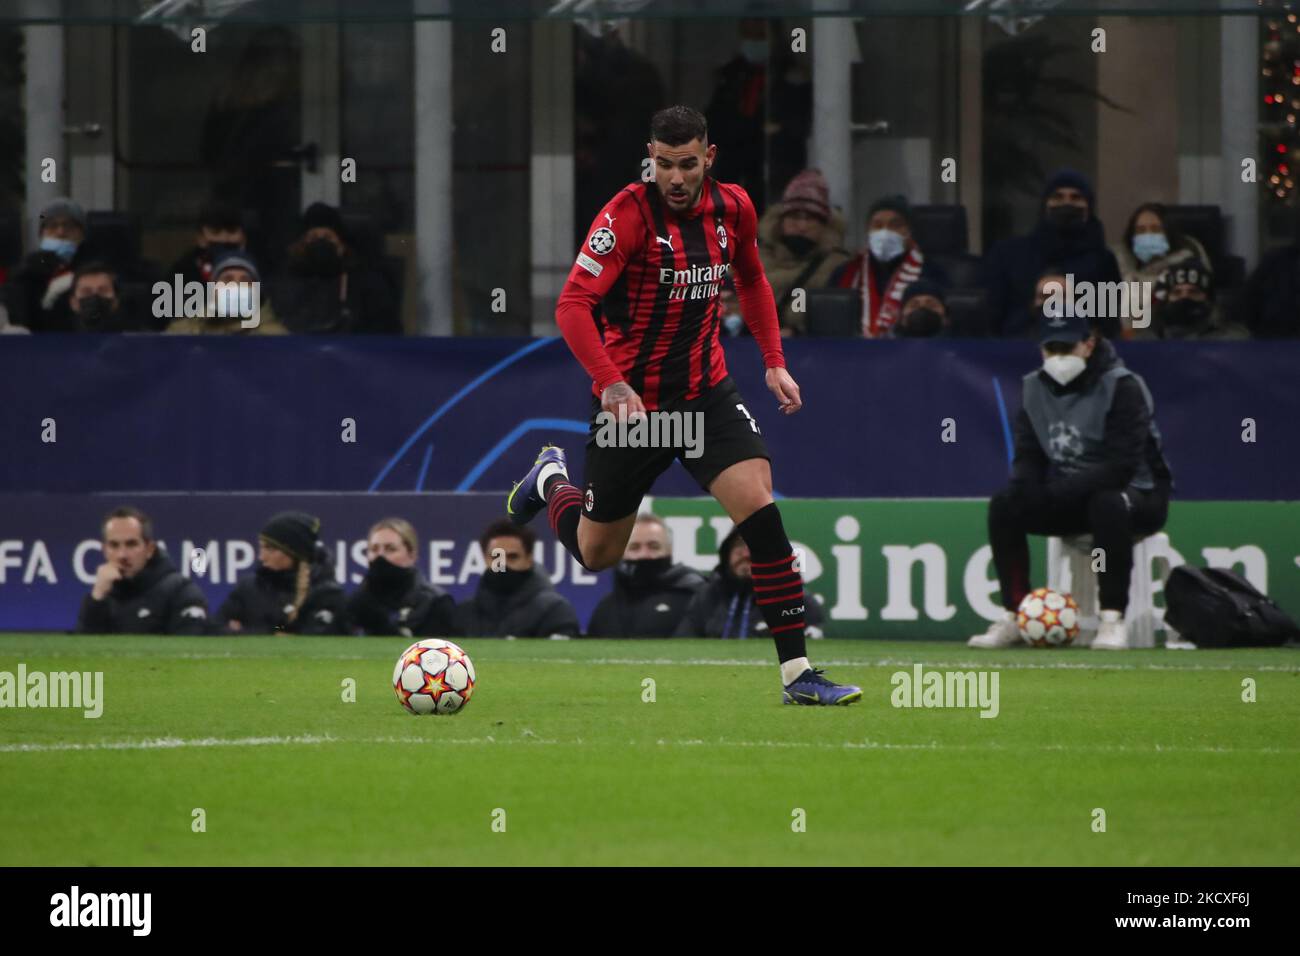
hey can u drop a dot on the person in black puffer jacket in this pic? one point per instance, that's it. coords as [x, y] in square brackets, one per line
[650, 592]
[518, 600]
[137, 589]
[293, 590]
[1069, 236]
[725, 606]
[394, 598]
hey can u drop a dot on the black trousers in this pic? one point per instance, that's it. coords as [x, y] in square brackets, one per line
[1114, 519]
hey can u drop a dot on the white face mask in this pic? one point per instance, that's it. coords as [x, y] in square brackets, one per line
[1064, 369]
[885, 244]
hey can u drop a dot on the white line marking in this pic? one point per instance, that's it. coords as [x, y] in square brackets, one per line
[176, 743]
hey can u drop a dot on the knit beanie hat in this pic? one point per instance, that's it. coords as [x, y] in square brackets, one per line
[809, 193]
[294, 533]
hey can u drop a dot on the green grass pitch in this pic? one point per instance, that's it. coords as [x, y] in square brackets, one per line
[257, 734]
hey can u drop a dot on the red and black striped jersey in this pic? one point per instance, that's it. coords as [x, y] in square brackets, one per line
[651, 278]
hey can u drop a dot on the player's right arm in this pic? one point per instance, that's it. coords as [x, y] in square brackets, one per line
[616, 234]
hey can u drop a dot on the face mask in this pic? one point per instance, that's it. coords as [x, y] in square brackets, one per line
[1186, 313]
[65, 249]
[642, 574]
[799, 245]
[1067, 217]
[1149, 245]
[754, 51]
[885, 244]
[1064, 369]
[96, 310]
[320, 258]
[505, 582]
[279, 580]
[386, 576]
[921, 323]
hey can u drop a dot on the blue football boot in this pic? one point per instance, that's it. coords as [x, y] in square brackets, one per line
[526, 497]
[812, 689]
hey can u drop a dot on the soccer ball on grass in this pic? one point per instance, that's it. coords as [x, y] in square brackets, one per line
[433, 676]
[1048, 618]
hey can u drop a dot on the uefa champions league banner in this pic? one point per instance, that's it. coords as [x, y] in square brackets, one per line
[907, 419]
[898, 569]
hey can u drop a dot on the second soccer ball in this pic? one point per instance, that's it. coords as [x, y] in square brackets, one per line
[1048, 618]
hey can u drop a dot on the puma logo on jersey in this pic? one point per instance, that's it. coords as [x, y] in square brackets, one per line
[667, 242]
[610, 219]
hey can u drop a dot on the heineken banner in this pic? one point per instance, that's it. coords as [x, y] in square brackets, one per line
[909, 569]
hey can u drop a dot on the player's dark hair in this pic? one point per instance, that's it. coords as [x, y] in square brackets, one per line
[505, 528]
[126, 511]
[679, 125]
[97, 267]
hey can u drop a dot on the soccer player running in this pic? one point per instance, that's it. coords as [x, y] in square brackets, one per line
[653, 265]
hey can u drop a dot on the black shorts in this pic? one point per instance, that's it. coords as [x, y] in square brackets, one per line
[619, 475]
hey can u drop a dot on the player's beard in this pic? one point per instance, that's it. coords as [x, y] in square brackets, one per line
[691, 198]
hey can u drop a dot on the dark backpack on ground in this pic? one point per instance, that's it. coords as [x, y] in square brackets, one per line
[1213, 607]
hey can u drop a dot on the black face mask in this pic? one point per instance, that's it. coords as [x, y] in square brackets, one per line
[799, 245]
[386, 576]
[921, 323]
[643, 574]
[1068, 218]
[320, 258]
[96, 312]
[1186, 313]
[279, 580]
[505, 582]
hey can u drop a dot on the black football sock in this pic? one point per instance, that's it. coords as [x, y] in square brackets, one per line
[778, 585]
[563, 508]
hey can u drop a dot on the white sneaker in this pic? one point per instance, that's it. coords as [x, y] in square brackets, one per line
[1111, 636]
[1001, 633]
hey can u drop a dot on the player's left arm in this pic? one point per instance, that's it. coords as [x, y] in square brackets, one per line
[758, 308]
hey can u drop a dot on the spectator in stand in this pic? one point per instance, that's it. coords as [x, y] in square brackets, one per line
[800, 242]
[760, 114]
[94, 303]
[236, 298]
[293, 590]
[515, 598]
[221, 230]
[924, 313]
[329, 289]
[394, 598]
[36, 295]
[1185, 307]
[1269, 303]
[137, 589]
[650, 592]
[883, 270]
[1068, 236]
[1151, 246]
[726, 606]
